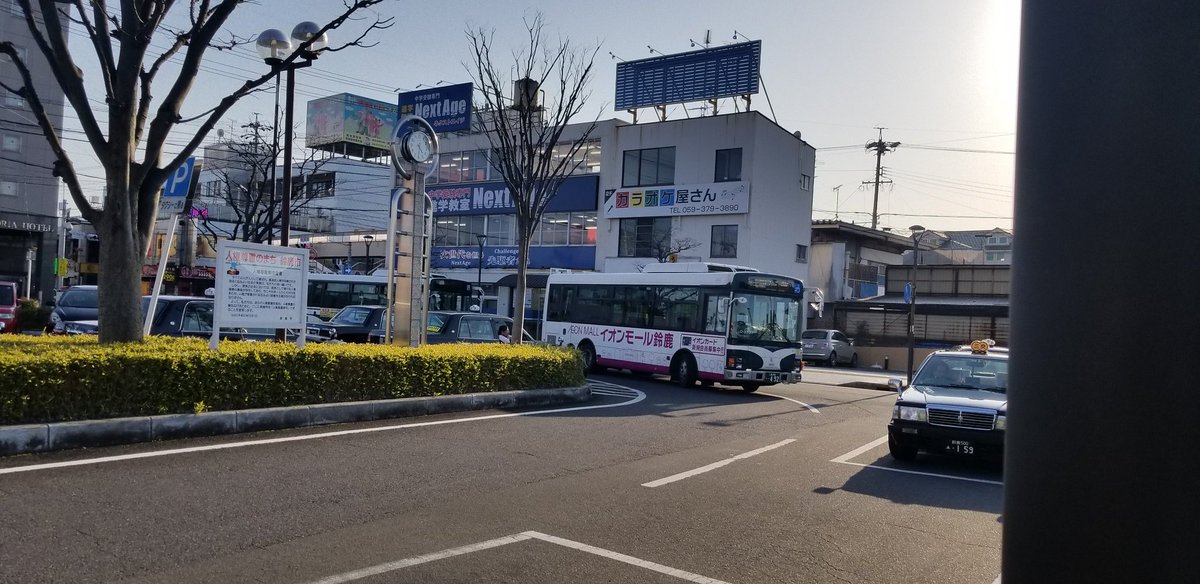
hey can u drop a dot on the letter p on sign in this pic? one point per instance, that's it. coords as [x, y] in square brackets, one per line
[176, 188]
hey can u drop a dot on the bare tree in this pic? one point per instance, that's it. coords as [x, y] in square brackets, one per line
[127, 135]
[522, 133]
[247, 208]
[665, 246]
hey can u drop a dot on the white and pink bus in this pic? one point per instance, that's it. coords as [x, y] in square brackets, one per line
[734, 327]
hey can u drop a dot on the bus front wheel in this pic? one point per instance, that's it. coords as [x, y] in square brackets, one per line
[685, 371]
[751, 387]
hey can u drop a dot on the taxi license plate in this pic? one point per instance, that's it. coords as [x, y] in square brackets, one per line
[773, 377]
[960, 447]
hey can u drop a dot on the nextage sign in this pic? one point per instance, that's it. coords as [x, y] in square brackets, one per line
[447, 109]
[577, 193]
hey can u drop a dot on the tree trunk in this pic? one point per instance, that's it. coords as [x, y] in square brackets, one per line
[120, 292]
[519, 301]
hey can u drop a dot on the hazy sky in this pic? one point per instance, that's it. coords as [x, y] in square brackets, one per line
[935, 73]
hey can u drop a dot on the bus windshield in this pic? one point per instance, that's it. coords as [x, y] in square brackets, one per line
[759, 318]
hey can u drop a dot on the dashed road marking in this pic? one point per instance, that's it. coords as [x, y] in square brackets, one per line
[847, 457]
[715, 465]
[634, 396]
[515, 538]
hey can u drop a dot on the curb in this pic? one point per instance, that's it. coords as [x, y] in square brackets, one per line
[32, 438]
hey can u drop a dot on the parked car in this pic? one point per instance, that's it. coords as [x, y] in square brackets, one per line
[352, 324]
[8, 305]
[74, 304]
[461, 327]
[183, 316]
[828, 346]
[957, 404]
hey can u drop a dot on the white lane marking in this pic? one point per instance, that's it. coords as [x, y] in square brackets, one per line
[414, 561]
[859, 450]
[661, 569]
[715, 465]
[501, 541]
[997, 580]
[795, 401]
[923, 473]
[637, 397]
[845, 459]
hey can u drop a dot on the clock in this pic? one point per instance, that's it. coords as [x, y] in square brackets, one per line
[418, 147]
[414, 146]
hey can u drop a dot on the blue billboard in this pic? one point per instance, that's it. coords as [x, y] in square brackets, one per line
[701, 75]
[447, 109]
[577, 193]
[575, 257]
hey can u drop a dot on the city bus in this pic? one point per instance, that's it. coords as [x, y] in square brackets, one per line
[329, 293]
[738, 328]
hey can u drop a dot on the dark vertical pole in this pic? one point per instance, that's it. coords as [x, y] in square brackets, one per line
[880, 146]
[912, 310]
[285, 213]
[1101, 469]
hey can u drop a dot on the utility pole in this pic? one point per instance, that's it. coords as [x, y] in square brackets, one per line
[880, 147]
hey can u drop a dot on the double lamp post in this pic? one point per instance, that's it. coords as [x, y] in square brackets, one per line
[917, 233]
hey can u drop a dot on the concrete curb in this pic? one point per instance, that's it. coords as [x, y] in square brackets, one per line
[90, 433]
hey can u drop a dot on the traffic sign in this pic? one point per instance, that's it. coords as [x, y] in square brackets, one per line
[175, 190]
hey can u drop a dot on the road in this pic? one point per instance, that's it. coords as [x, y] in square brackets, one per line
[649, 483]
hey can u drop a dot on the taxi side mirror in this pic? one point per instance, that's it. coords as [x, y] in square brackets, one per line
[896, 385]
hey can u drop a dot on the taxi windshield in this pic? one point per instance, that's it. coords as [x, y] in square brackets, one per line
[964, 372]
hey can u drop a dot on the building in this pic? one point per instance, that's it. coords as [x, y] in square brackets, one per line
[849, 261]
[992, 247]
[29, 194]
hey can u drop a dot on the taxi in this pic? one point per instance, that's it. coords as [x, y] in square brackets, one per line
[956, 405]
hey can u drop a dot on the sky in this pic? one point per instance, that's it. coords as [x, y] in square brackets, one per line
[939, 75]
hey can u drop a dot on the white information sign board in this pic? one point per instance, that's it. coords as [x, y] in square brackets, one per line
[260, 286]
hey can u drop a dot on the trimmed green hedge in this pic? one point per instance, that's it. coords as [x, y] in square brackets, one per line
[53, 379]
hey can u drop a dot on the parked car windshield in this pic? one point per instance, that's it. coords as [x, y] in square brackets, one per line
[352, 315]
[964, 372]
[78, 299]
[7, 296]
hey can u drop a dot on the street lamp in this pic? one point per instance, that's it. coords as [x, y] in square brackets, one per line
[917, 233]
[479, 280]
[367, 239]
[274, 48]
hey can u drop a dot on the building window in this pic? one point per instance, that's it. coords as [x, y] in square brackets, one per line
[996, 257]
[12, 143]
[649, 167]
[643, 237]
[729, 165]
[320, 186]
[13, 100]
[999, 240]
[554, 228]
[805, 182]
[8, 188]
[801, 253]
[502, 229]
[724, 241]
[583, 228]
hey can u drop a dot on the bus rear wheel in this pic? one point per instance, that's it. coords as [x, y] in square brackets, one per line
[684, 371]
[588, 352]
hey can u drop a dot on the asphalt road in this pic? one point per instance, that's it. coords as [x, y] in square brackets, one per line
[662, 485]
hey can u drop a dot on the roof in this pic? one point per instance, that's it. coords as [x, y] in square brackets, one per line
[864, 232]
[973, 239]
[943, 305]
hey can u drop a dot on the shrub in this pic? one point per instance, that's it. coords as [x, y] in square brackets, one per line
[49, 379]
[31, 315]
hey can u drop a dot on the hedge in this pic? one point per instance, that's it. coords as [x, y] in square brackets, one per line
[53, 379]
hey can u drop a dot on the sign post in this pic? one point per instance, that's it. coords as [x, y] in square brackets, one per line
[260, 286]
[170, 204]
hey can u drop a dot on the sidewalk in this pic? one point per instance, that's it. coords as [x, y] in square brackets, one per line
[861, 378]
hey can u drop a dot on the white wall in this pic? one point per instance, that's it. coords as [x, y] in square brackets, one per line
[773, 161]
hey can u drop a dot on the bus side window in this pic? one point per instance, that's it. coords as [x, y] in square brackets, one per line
[714, 316]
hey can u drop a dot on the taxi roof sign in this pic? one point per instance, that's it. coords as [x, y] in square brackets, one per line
[981, 347]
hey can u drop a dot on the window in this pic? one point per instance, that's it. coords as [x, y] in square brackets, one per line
[999, 240]
[561, 300]
[806, 182]
[501, 230]
[729, 165]
[801, 253]
[582, 229]
[593, 304]
[724, 241]
[716, 313]
[470, 227]
[649, 167]
[554, 228]
[476, 329]
[677, 308]
[8, 188]
[12, 143]
[445, 230]
[320, 186]
[643, 237]
[197, 317]
[13, 100]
